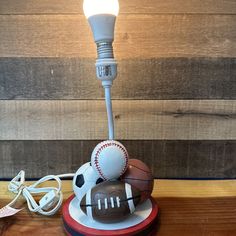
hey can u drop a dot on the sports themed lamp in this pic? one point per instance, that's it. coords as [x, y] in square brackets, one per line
[102, 16]
[112, 192]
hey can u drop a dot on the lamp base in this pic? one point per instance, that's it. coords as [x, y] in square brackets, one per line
[142, 222]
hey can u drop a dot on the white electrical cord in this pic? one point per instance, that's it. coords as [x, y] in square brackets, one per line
[109, 112]
[49, 204]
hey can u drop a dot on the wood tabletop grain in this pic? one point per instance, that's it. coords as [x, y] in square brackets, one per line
[187, 208]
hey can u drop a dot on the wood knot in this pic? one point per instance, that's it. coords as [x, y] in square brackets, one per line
[126, 36]
[117, 117]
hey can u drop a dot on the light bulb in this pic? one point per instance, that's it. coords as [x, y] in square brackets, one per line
[101, 15]
[96, 7]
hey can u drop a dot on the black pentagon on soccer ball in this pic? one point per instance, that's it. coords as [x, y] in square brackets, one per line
[100, 180]
[79, 182]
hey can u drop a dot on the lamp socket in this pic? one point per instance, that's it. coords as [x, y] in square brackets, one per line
[106, 70]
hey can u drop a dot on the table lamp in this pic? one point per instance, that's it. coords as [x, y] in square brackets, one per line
[112, 192]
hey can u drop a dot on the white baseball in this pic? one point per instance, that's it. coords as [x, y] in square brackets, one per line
[109, 159]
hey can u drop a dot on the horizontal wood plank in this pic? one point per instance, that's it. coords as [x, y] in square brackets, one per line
[158, 78]
[131, 6]
[187, 208]
[163, 188]
[155, 36]
[167, 159]
[146, 119]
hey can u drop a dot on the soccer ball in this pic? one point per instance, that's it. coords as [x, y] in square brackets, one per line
[85, 178]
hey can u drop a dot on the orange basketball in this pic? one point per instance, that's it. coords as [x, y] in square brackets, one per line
[140, 176]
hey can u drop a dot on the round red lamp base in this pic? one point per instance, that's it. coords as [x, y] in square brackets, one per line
[142, 222]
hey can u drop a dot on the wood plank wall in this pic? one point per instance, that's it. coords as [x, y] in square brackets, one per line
[174, 98]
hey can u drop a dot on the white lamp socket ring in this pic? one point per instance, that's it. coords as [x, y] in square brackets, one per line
[106, 70]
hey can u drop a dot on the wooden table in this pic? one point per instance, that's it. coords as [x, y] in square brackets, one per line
[187, 207]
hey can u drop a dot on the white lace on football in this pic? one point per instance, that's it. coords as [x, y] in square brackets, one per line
[107, 203]
[52, 199]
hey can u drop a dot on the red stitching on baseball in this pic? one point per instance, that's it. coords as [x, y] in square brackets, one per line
[100, 150]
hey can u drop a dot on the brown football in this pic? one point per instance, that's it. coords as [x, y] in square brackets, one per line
[110, 201]
[139, 176]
